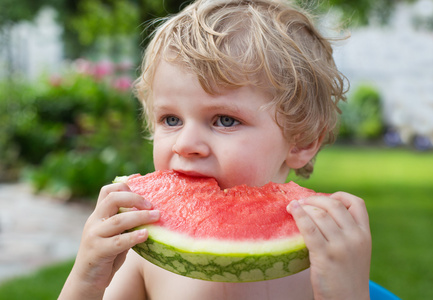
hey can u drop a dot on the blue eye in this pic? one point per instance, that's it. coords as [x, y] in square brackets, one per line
[226, 121]
[172, 121]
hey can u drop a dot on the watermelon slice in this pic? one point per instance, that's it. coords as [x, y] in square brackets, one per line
[239, 234]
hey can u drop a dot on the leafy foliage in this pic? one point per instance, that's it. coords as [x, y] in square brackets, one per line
[85, 20]
[16, 116]
[12, 11]
[361, 117]
[74, 134]
[115, 18]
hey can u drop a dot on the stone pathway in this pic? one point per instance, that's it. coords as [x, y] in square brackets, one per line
[36, 230]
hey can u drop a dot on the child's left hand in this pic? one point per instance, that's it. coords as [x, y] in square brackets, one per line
[337, 233]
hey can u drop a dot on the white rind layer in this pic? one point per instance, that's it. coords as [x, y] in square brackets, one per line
[186, 243]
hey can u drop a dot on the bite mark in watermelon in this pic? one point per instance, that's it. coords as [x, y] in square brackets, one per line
[239, 234]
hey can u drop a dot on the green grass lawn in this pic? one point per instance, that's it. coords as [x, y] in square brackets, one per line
[397, 185]
[45, 284]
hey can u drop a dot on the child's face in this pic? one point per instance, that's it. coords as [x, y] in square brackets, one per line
[226, 136]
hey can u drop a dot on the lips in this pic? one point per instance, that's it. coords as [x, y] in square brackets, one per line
[192, 173]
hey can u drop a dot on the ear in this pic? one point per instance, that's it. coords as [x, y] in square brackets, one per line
[300, 156]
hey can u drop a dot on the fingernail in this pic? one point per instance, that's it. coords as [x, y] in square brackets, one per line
[147, 204]
[294, 204]
[154, 214]
[142, 232]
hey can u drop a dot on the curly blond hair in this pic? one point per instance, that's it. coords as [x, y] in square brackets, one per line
[266, 43]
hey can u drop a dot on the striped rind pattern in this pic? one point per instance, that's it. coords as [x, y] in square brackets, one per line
[224, 267]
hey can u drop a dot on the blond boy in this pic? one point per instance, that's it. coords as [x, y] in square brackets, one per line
[244, 92]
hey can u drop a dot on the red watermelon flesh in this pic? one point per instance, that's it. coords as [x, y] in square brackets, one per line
[198, 207]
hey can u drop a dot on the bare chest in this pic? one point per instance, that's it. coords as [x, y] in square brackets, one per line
[164, 285]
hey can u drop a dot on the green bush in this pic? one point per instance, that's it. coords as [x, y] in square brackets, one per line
[361, 117]
[18, 116]
[73, 134]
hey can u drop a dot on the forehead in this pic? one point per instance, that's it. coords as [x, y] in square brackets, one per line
[176, 74]
[171, 77]
[173, 83]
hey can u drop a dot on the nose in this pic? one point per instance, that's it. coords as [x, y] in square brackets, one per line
[191, 142]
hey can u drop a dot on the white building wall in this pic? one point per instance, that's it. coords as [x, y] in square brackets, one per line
[34, 47]
[398, 60]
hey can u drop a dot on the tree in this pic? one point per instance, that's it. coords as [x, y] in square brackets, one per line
[84, 20]
[359, 12]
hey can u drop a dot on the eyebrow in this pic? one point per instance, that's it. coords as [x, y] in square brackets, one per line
[157, 107]
[229, 108]
[222, 107]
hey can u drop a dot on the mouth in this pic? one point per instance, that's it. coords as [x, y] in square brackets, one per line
[197, 175]
[192, 173]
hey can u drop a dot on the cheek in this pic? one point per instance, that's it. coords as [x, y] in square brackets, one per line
[156, 158]
[243, 164]
[160, 155]
[261, 160]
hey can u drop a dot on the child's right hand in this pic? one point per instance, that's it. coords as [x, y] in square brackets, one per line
[104, 242]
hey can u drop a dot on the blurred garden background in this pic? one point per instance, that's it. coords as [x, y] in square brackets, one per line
[69, 122]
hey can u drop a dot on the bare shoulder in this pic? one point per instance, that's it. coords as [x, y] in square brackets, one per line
[128, 282]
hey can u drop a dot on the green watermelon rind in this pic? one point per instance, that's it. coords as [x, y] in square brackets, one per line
[224, 267]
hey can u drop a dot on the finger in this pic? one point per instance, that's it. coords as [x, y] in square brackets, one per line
[356, 206]
[122, 222]
[122, 242]
[332, 208]
[327, 225]
[313, 237]
[111, 204]
[110, 188]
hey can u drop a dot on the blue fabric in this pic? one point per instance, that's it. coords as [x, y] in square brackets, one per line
[380, 293]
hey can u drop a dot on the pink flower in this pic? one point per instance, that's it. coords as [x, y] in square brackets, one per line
[125, 66]
[103, 69]
[122, 83]
[83, 66]
[55, 80]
